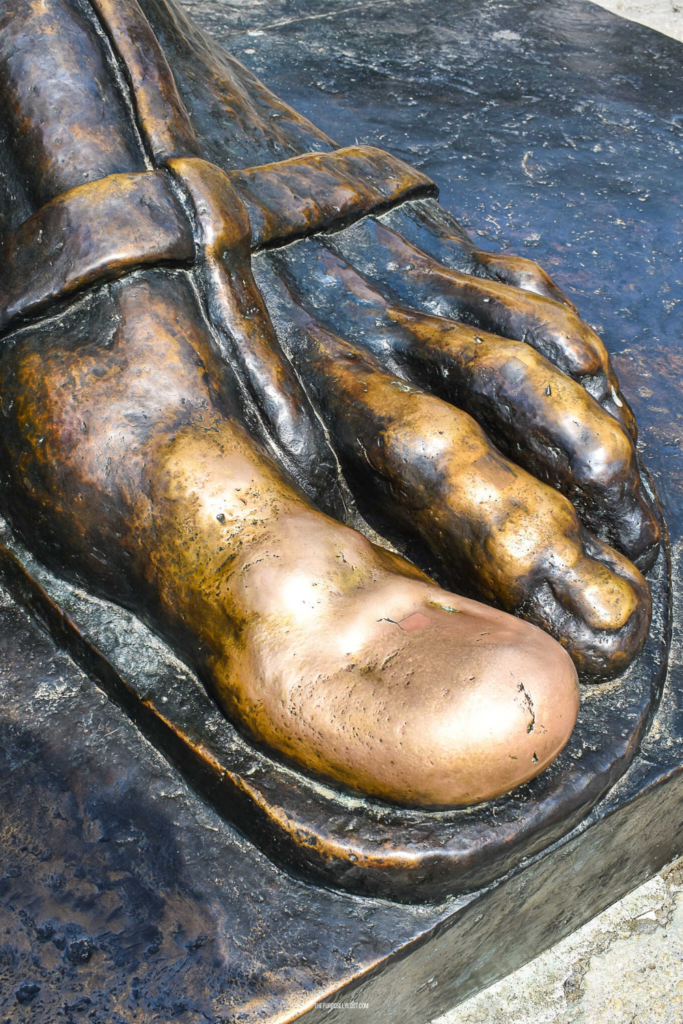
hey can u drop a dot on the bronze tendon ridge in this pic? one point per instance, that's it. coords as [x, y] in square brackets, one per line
[162, 119]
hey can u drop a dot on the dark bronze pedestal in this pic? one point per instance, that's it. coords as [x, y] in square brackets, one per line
[551, 127]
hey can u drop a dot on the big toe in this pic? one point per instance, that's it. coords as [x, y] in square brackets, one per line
[466, 704]
[494, 704]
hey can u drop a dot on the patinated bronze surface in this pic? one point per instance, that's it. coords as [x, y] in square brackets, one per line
[175, 427]
[121, 892]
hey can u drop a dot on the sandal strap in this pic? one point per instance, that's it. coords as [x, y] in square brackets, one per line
[93, 232]
[302, 195]
[162, 118]
[323, 191]
[106, 228]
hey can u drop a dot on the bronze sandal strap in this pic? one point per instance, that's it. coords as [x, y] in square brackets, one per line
[319, 191]
[105, 228]
[162, 118]
[98, 230]
[299, 196]
[302, 195]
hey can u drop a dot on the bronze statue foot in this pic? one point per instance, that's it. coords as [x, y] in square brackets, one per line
[505, 346]
[145, 420]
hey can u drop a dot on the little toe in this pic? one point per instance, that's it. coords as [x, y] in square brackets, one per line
[425, 224]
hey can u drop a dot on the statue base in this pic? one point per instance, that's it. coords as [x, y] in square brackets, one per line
[122, 891]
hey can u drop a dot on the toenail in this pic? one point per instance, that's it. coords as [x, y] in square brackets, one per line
[415, 621]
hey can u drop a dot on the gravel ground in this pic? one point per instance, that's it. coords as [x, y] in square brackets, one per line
[626, 965]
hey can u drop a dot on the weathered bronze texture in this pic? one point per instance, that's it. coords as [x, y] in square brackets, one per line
[91, 233]
[170, 446]
[549, 326]
[123, 896]
[533, 412]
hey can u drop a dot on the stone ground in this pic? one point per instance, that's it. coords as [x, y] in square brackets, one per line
[626, 965]
[623, 967]
[664, 15]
